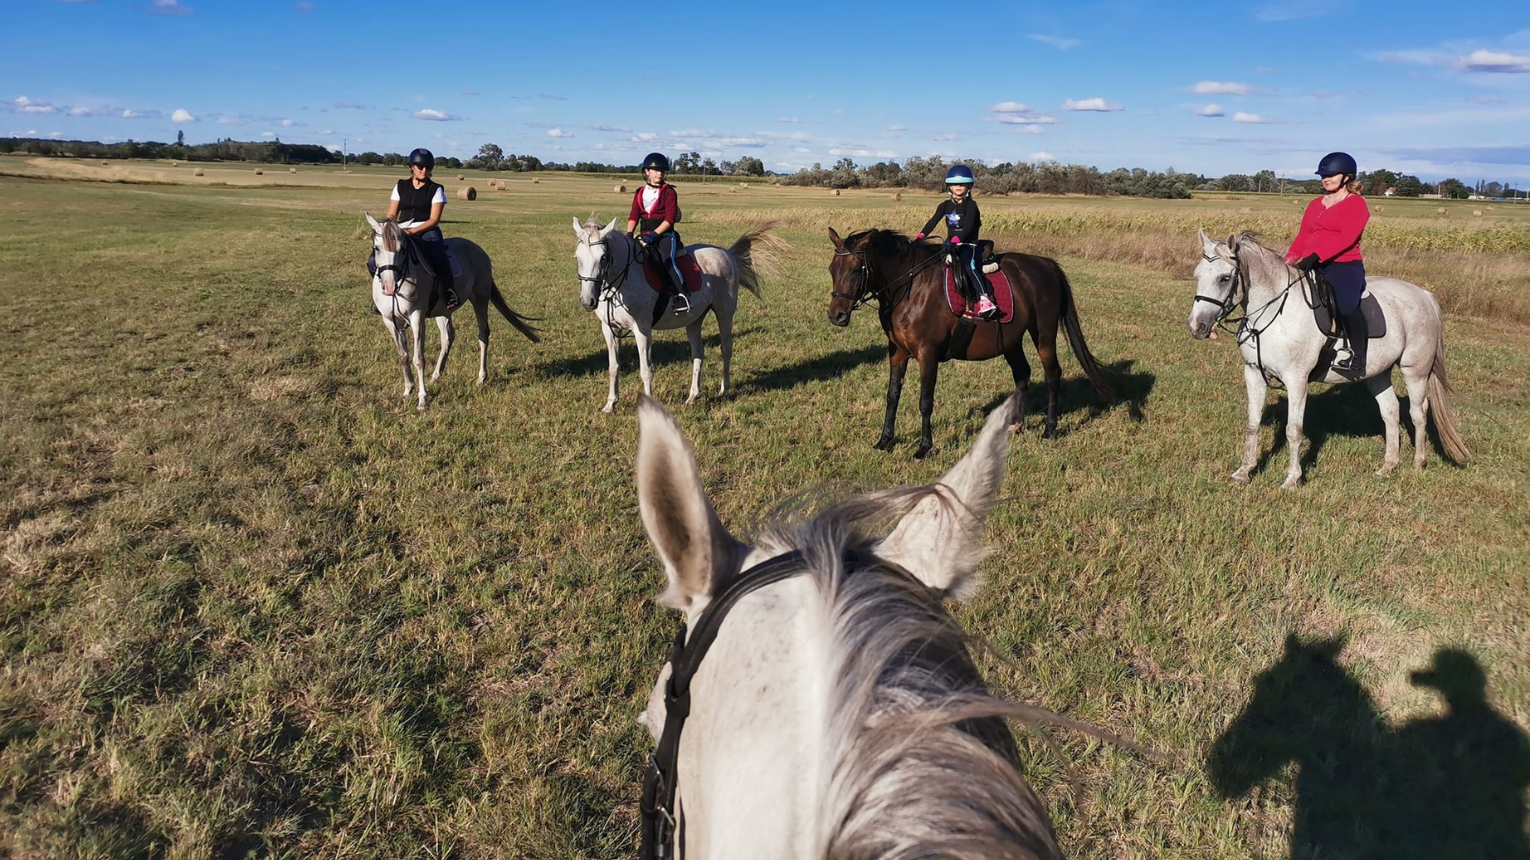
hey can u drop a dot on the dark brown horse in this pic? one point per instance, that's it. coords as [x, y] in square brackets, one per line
[905, 279]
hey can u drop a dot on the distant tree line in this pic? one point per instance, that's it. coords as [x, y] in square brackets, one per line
[1047, 177]
[268, 152]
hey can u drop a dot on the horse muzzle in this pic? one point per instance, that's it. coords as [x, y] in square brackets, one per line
[588, 304]
[839, 318]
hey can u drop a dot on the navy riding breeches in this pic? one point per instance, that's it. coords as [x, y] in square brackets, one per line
[1348, 282]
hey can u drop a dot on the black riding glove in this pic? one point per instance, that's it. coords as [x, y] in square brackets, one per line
[1307, 263]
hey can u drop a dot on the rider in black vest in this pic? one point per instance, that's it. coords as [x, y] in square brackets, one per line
[417, 203]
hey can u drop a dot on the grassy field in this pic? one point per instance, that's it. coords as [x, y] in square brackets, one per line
[252, 604]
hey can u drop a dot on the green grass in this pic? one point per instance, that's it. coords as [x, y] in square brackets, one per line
[252, 604]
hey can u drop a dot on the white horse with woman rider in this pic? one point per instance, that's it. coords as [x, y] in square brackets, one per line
[613, 283]
[1281, 341]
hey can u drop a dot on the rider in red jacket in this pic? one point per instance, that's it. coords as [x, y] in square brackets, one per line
[1329, 241]
[655, 212]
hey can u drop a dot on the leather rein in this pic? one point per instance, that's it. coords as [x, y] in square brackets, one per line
[659, 819]
[866, 293]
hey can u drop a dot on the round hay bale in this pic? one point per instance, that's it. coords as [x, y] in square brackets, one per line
[175, 164]
[536, 180]
[621, 189]
[743, 185]
[1476, 213]
[292, 170]
[460, 177]
[1440, 211]
[106, 164]
[835, 192]
[732, 190]
[468, 193]
[197, 172]
[1378, 208]
[1247, 210]
[259, 172]
[898, 195]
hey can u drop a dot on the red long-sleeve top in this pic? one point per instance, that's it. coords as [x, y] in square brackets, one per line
[665, 208]
[1333, 232]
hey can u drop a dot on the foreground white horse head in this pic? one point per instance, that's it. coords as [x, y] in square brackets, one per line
[1217, 289]
[590, 257]
[836, 712]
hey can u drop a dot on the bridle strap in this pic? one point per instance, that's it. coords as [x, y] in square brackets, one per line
[659, 823]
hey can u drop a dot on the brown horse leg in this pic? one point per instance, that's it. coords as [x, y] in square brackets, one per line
[1046, 350]
[1021, 370]
[897, 366]
[929, 368]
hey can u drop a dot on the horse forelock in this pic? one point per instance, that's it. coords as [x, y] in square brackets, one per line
[918, 752]
[392, 236]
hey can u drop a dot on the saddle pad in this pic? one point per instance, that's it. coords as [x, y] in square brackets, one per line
[1375, 320]
[1003, 296]
[686, 263]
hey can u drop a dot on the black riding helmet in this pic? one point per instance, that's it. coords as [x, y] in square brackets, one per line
[422, 156]
[656, 161]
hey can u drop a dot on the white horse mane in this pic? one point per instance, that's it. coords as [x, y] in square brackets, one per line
[921, 761]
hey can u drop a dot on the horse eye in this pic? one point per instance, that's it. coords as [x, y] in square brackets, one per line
[1225, 278]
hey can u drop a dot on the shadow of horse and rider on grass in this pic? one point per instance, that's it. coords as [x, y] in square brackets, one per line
[1450, 786]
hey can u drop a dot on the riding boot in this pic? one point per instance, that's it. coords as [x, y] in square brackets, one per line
[447, 284]
[1343, 352]
[1357, 331]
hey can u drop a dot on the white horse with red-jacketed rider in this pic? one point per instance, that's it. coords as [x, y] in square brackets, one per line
[611, 283]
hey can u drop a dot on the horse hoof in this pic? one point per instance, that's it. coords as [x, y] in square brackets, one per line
[923, 451]
[1049, 433]
[608, 408]
[884, 444]
[1386, 470]
[1292, 483]
[1240, 477]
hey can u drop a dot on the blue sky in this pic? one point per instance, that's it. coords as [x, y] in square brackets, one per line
[1433, 88]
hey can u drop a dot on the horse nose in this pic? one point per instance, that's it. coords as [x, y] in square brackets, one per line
[839, 318]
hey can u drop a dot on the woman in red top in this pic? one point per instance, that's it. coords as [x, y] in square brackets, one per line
[1329, 241]
[655, 212]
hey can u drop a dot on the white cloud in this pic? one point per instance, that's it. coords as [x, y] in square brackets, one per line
[182, 116]
[558, 132]
[129, 113]
[230, 120]
[435, 115]
[1240, 116]
[22, 104]
[1495, 61]
[326, 132]
[1015, 113]
[1042, 156]
[897, 128]
[1034, 129]
[1210, 110]
[168, 7]
[268, 134]
[595, 126]
[787, 119]
[286, 123]
[1094, 104]
[1061, 43]
[1220, 88]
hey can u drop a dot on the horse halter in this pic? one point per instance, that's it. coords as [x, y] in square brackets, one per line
[1230, 301]
[400, 265]
[659, 826]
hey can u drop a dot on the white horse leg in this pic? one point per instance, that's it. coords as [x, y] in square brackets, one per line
[644, 341]
[1296, 413]
[1418, 409]
[612, 356]
[481, 310]
[1380, 387]
[693, 333]
[403, 353]
[1258, 389]
[725, 346]
[448, 334]
[417, 327]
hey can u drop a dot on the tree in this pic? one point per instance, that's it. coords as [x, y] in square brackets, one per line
[1454, 188]
[490, 157]
[1377, 182]
[180, 138]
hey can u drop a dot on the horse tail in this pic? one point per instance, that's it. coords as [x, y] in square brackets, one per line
[1439, 392]
[755, 251]
[1098, 377]
[522, 324]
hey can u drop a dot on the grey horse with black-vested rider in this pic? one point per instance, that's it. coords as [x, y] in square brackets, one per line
[1281, 342]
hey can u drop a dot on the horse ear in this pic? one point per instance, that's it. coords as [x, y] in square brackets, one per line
[606, 231]
[696, 549]
[376, 227]
[937, 541]
[1232, 242]
[578, 228]
[839, 244]
[1207, 245]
